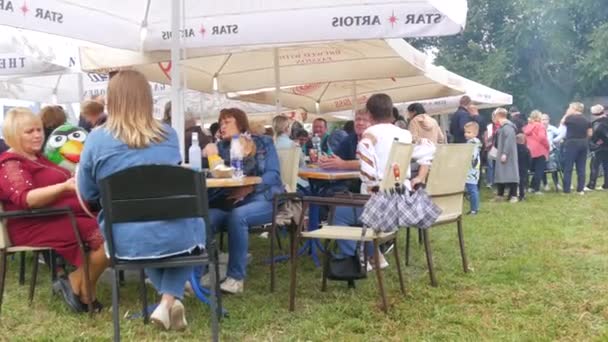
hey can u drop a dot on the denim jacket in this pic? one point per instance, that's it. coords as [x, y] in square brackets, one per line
[265, 164]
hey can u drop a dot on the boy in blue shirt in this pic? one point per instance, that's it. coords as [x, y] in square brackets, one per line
[471, 129]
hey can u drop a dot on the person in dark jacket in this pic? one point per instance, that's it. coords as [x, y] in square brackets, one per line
[523, 164]
[460, 118]
[518, 119]
[599, 145]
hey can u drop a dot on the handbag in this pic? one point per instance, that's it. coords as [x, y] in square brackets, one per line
[346, 268]
[493, 153]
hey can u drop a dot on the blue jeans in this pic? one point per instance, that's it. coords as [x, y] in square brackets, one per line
[575, 153]
[538, 165]
[473, 192]
[171, 280]
[346, 216]
[490, 173]
[256, 211]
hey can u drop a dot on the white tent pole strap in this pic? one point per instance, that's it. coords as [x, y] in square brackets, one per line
[277, 80]
[177, 112]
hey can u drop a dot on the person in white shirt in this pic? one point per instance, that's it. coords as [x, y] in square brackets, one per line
[373, 151]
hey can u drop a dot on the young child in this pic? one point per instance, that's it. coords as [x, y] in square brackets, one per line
[523, 164]
[471, 129]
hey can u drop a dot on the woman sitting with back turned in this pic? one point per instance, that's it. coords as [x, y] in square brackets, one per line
[30, 181]
[132, 137]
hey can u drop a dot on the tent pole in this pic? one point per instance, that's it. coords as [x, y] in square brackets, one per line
[277, 81]
[177, 111]
[354, 98]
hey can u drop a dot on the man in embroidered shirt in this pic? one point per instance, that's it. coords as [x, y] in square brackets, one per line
[373, 151]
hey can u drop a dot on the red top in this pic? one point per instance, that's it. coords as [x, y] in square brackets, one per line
[536, 139]
[18, 176]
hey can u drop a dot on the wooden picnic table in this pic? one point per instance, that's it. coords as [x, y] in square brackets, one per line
[327, 174]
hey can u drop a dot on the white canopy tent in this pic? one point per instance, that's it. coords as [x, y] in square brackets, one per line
[234, 22]
[154, 25]
[299, 64]
[481, 95]
[337, 96]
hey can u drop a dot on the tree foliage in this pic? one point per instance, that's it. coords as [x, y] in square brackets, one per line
[546, 53]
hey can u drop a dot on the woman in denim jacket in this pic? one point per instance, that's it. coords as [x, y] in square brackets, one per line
[237, 209]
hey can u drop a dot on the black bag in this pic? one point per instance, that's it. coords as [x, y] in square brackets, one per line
[345, 268]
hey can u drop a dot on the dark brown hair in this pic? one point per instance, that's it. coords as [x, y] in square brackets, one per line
[52, 116]
[242, 123]
[380, 106]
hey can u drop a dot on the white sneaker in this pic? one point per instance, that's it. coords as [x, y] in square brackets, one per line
[383, 264]
[558, 187]
[232, 285]
[178, 316]
[582, 193]
[586, 189]
[599, 188]
[547, 188]
[160, 317]
[538, 193]
[513, 199]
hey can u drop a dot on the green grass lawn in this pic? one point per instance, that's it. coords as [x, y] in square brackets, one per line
[538, 273]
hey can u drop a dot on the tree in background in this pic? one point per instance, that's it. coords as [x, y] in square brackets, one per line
[546, 53]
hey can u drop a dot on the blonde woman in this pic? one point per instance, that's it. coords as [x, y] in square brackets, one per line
[282, 127]
[132, 137]
[578, 130]
[538, 144]
[30, 181]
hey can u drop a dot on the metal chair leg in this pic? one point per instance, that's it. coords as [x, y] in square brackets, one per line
[115, 313]
[3, 255]
[272, 234]
[21, 268]
[277, 233]
[34, 277]
[292, 277]
[465, 264]
[326, 256]
[407, 246]
[380, 276]
[398, 262]
[144, 295]
[53, 265]
[429, 256]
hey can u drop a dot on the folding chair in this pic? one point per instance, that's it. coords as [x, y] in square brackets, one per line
[7, 248]
[161, 192]
[400, 154]
[286, 207]
[445, 185]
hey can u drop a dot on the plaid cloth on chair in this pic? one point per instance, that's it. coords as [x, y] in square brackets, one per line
[387, 211]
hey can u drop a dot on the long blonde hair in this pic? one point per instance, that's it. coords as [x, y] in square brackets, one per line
[280, 125]
[130, 108]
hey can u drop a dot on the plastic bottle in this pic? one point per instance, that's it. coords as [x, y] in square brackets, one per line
[194, 153]
[236, 157]
[316, 143]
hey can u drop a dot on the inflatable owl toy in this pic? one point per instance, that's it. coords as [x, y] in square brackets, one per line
[64, 145]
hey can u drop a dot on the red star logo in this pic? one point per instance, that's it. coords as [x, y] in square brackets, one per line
[24, 8]
[393, 19]
[202, 30]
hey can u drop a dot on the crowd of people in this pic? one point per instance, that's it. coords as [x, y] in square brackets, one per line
[124, 134]
[517, 153]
